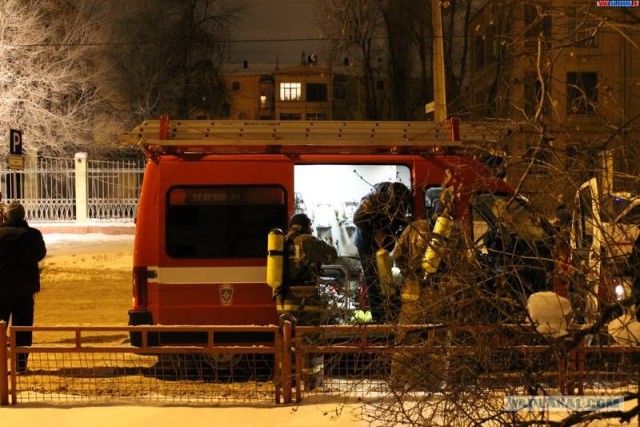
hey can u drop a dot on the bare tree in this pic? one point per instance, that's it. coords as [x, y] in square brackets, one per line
[168, 56]
[485, 343]
[48, 73]
[456, 19]
[354, 26]
[392, 41]
[396, 15]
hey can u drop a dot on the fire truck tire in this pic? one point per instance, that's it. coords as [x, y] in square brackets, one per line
[222, 360]
[192, 365]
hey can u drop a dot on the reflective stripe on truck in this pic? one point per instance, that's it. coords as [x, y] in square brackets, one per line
[204, 275]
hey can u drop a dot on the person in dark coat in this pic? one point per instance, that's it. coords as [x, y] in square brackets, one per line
[379, 220]
[21, 248]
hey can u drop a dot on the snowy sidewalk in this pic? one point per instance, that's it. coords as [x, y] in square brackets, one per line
[72, 227]
[311, 415]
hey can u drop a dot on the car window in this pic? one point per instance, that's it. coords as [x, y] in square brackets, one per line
[625, 210]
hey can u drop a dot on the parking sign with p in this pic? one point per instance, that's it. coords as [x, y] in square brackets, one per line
[15, 142]
[16, 159]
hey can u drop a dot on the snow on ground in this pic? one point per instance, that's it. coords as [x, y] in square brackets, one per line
[77, 244]
[308, 415]
[68, 240]
[69, 247]
[65, 246]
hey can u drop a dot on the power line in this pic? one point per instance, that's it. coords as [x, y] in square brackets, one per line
[158, 42]
[238, 41]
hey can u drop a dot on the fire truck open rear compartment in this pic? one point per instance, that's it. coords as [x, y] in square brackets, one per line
[212, 191]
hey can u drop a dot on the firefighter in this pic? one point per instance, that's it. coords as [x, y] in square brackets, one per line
[379, 220]
[417, 255]
[300, 294]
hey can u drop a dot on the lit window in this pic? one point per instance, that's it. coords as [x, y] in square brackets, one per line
[290, 91]
[263, 101]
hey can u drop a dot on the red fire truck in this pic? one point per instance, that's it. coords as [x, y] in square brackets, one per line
[213, 190]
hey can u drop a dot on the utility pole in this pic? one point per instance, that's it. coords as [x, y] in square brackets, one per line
[439, 104]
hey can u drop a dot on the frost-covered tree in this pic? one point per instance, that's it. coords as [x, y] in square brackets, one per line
[48, 74]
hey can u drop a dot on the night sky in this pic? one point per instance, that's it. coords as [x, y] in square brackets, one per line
[282, 28]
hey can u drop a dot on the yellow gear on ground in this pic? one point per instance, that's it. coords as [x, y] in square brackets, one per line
[361, 316]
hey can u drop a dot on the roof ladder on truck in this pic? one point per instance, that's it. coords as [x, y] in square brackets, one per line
[226, 136]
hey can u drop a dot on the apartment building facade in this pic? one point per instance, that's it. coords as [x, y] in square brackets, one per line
[571, 71]
[308, 91]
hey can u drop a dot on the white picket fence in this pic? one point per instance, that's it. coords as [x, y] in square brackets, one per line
[74, 190]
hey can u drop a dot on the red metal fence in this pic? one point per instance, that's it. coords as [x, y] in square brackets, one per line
[335, 361]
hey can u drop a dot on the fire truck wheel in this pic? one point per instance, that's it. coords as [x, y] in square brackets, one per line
[222, 360]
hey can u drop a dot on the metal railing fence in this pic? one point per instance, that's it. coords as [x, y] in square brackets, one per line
[114, 188]
[356, 363]
[48, 188]
[82, 368]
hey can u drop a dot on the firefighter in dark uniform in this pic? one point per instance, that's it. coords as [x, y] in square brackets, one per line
[300, 294]
[379, 220]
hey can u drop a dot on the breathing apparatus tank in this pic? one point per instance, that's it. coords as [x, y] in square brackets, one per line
[387, 283]
[275, 258]
[433, 253]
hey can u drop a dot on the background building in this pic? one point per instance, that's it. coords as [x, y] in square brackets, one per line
[570, 71]
[307, 91]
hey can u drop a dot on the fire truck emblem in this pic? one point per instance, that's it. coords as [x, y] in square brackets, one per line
[226, 294]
